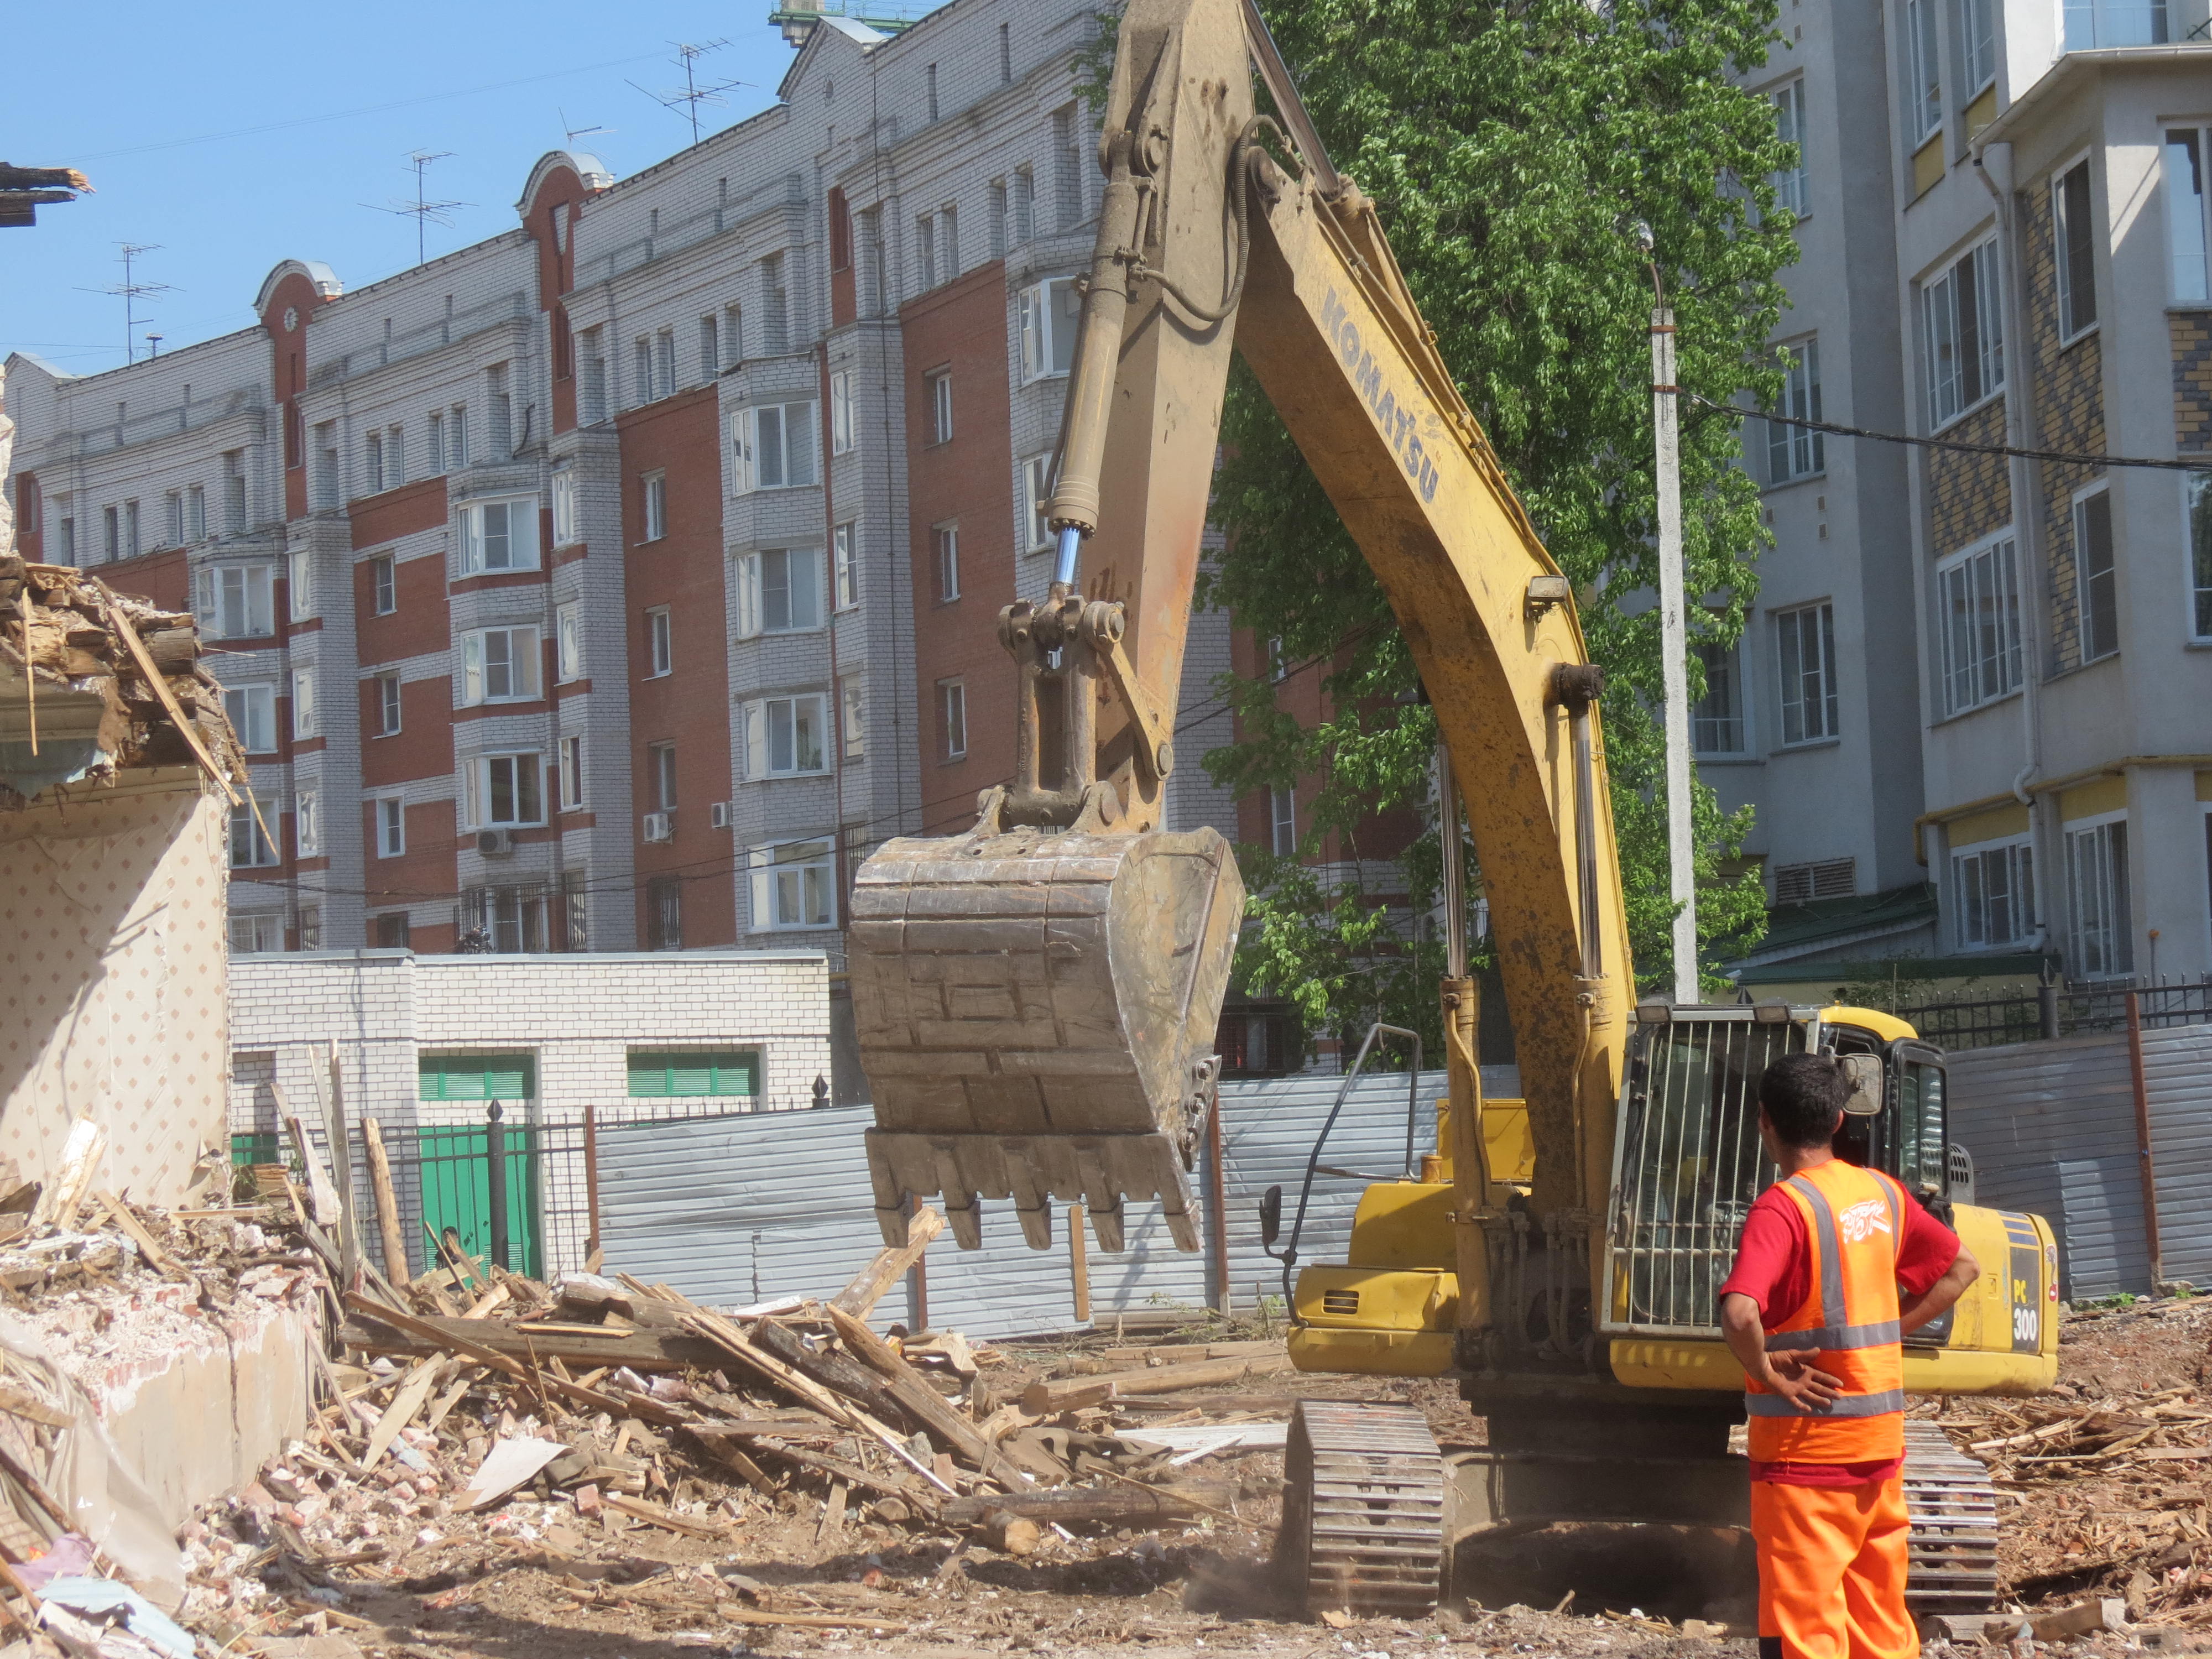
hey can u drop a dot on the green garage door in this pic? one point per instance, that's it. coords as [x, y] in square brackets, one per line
[456, 1157]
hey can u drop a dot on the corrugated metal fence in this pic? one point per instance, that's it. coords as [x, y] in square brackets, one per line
[2052, 1129]
[742, 1209]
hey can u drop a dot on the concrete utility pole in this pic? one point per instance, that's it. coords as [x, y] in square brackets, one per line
[1674, 644]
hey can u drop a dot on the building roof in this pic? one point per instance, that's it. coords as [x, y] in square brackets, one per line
[2076, 67]
[1797, 933]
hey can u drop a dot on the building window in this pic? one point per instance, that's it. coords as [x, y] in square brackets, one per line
[733, 335]
[948, 227]
[69, 541]
[304, 724]
[236, 603]
[1993, 895]
[664, 914]
[172, 509]
[1806, 642]
[391, 930]
[568, 641]
[1790, 183]
[945, 539]
[300, 584]
[1792, 451]
[387, 704]
[941, 407]
[2091, 24]
[326, 481]
[307, 823]
[840, 412]
[437, 439]
[775, 307]
[499, 536]
[564, 509]
[852, 716]
[1050, 314]
[111, 534]
[655, 495]
[505, 791]
[661, 768]
[2096, 584]
[663, 362]
[1977, 29]
[1977, 601]
[591, 380]
[391, 826]
[1829, 878]
[773, 447]
[1022, 207]
[373, 462]
[998, 224]
[2187, 231]
[658, 651]
[252, 712]
[664, 1073]
[256, 935]
[844, 567]
[1923, 91]
[710, 347]
[1036, 499]
[1717, 720]
[383, 584]
[794, 884]
[1067, 168]
[249, 843]
[931, 74]
[130, 530]
[1283, 821]
[2073, 243]
[2101, 941]
[786, 736]
[1963, 316]
[952, 719]
[499, 665]
[196, 514]
[512, 921]
[575, 903]
[234, 492]
[2198, 486]
[778, 591]
[395, 456]
[572, 774]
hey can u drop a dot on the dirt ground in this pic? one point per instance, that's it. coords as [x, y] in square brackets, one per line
[533, 1581]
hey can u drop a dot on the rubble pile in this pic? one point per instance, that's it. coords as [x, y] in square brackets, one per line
[2102, 1482]
[93, 681]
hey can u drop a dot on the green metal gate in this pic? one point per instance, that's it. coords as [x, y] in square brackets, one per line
[456, 1159]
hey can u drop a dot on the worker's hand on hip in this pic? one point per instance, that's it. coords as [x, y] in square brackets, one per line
[1803, 1384]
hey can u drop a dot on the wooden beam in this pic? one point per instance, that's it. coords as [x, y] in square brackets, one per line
[1073, 1393]
[388, 1202]
[922, 1403]
[871, 1284]
[186, 729]
[1125, 1504]
[639, 1350]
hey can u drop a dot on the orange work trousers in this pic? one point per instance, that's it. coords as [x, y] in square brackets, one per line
[1831, 1567]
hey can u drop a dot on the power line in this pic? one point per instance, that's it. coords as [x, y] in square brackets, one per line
[2057, 456]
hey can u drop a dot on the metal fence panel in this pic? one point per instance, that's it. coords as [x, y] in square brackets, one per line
[2100, 1225]
[2178, 1082]
[744, 1208]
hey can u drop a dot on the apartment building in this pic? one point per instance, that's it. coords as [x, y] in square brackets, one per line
[617, 582]
[1981, 674]
[2052, 274]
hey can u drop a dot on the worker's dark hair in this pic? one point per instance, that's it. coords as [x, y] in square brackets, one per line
[1804, 1096]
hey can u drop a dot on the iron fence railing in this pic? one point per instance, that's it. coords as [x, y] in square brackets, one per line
[535, 1204]
[2057, 1010]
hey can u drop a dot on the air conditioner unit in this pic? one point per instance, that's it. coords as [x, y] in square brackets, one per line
[494, 843]
[659, 826]
[717, 816]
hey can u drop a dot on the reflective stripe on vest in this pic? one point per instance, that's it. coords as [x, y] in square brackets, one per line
[1864, 1352]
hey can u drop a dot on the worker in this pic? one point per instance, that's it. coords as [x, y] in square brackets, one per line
[1836, 1264]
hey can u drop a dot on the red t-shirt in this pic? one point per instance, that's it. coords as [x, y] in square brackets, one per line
[1774, 1268]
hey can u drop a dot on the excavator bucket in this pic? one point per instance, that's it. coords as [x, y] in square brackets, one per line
[1037, 1012]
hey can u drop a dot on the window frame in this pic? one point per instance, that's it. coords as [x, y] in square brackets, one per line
[300, 584]
[842, 424]
[852, 719]
[938, 384]
[1793, 185]
[264, 931]
[1037, 503]
[476, 547]
[844, 567]
[1972, 894]
[2086, 578]
[1804, 453]
[1731, 661]
[945, 559]
[660, 642]
[256, 600]
[257, 698]
[661, 776]
[568, 757]
[2196, 562]
[653, 505]
[766, 891]
[390, 703]
[2001, 549]
[305, 727]
[1830, 702]
[261, 853]
[1283, 820]
[753, 589]
[477, 667]
[748, 469]
[480, 789]
[2117, 878]
[568, 643]
[2193, 287]
[2062, 253]
[1043, 317]
[1923, 62]
[383, 584]
[952, 720]
[388, 830]
[565, 533]
[307, 823]
[760, 716]
[1940, 293]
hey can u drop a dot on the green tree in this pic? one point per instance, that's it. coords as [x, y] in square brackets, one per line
[1509, 148]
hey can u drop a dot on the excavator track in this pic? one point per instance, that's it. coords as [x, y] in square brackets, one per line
[1954, 1542]
[1363, 1508]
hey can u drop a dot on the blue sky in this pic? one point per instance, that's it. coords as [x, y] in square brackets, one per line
[153, 103]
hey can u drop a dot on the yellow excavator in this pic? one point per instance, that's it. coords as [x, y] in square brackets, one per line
[1036, 998]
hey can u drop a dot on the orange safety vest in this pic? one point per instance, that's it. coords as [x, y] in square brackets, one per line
[1855, 1224]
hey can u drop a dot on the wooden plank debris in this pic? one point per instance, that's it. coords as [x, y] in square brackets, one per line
[889, 1266]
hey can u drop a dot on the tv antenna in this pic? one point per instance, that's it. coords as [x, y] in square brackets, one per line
[423, 211]
[574, 133]
[131, 290]
[691, 94]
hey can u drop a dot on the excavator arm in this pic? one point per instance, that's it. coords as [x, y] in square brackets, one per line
[1036, 998]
